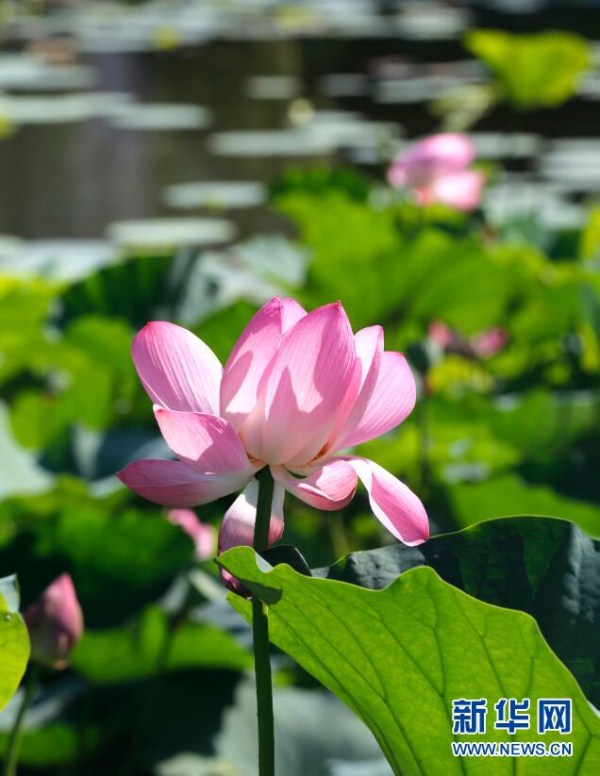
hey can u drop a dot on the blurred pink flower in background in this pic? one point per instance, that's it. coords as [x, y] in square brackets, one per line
[436, 170]
[297, 388]
[483, 345]
[203, 535]
[55, 623]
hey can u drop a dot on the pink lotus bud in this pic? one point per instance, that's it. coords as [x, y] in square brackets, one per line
[55, 623]
[436, 169]
[489, 342]
[202, 535]
[441, 334]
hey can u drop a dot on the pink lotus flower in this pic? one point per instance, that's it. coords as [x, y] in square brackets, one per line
[296, 390]
[201, 534]
[55, 623]
[436, 170]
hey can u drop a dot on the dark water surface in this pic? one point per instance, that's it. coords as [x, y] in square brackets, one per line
[83, 159]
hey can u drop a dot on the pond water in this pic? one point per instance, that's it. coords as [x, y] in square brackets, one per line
[110, 114]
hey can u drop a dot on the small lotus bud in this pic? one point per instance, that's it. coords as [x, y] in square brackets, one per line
[55, 623]
[489, 342]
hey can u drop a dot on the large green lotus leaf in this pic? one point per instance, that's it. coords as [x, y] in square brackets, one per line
[590, 298]
[149, 645]
[462, 272]
[399, 657]
[171, 286]
[360, 256]
[509, 495]
[543, 566]
[94, 350]
[54, 744]
[473, 436]
[356, 253]
[128, 290]
[120, 562]
[542, 422]
[104, 340]
[322, 181]
[537, 70]
[24, 305]
[120, 559]
[546, 311]
[37, 418]
[14, 641]
[537, 426]
[104, 344]
[589, 247]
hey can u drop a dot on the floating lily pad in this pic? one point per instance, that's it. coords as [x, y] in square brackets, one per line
[160, 117]
[344, 85]
[59, 260]
[573, 163]
[272, 87]
[170, 233]
[28, 73]
[216, 194]
[432, 21]
[275, 142]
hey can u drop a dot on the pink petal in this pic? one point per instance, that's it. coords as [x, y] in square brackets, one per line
[237, 528]
[207, 443]
[369, 352]
[176, 484]
[176, 368]
[330, 487]
[248, 362]
[313, 382]
[393, 503]
[202, 534]
[461, 190]
[391, 401]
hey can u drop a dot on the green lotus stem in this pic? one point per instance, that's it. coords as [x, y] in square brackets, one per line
[14, 742]
[260, 632]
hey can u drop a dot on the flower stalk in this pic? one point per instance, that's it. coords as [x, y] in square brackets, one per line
[260, 633]
[14, 743]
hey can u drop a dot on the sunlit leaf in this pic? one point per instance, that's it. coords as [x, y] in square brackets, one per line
[539, 70]
[543, 566]
[14, 641]
[590, 236]
[420, 639]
